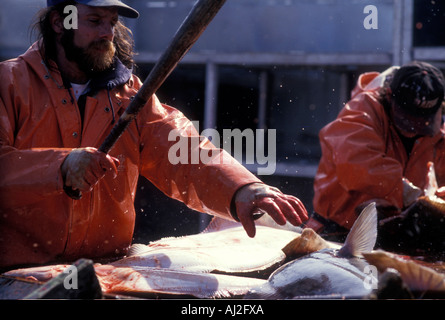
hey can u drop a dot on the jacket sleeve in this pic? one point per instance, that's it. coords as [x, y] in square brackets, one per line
[356, 140]
[25, 175]
[186, 166]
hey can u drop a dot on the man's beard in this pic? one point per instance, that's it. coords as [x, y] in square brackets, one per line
[96, 57]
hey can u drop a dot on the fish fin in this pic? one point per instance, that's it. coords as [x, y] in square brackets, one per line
[363, 234]
[431, 181]
[137, 249]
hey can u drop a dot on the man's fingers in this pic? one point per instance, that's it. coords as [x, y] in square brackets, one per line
[270, 206]
[300, 209]
[248, 223]
[110, 164]
[258, 197]
[284, 207]
[78, 184]
[83, 168]
[288, 210]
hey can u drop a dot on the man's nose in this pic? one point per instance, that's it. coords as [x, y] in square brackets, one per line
[107, 31]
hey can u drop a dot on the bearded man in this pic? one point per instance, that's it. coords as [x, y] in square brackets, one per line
[58, 102]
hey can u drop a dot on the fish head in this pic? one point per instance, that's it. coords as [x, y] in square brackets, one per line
[307, 242]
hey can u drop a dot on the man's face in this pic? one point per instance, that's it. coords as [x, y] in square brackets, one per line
[411, 126]
[91, 45]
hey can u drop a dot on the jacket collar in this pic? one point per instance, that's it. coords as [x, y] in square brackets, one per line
[109, 79]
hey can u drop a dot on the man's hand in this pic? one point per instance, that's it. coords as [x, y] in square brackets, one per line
[258, 198]
[84, 167]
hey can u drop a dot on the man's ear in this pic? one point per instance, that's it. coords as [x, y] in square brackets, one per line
[56, 22]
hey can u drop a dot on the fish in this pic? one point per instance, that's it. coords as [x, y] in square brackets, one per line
[220, 262]
[420, 279]
[40, 273]
[329, 272]
[301, 264]
[418, 230]
[150, 282]
[154, 282]
[223, 247]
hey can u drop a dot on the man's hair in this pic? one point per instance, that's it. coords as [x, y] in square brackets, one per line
[46, 36]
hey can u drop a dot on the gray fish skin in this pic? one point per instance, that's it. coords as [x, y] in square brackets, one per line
[322, 273]
[328, 272]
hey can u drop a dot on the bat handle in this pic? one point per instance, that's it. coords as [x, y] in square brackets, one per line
[75, 194]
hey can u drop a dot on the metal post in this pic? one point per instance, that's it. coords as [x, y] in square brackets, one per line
[407, 31]
[262, 101]
[262, 110]
[403, 31]
[211, 95]
[210, 118]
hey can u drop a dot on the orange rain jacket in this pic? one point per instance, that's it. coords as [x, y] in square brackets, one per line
[363, 157]
[40, 124]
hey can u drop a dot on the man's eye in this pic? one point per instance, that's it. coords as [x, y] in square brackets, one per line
[95, 21]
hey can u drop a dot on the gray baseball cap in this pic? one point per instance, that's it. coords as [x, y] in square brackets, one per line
[123, 9]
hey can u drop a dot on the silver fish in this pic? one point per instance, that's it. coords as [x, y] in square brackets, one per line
[328, 272]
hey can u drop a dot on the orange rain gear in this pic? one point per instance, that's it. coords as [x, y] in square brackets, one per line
[40, 124]
[363, 157]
